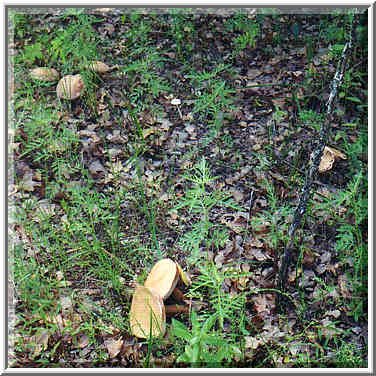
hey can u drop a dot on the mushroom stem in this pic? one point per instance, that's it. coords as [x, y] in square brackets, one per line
[178, 295]
[176, 308]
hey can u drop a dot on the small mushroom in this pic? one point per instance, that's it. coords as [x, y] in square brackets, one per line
[100, 67]
[163, 277]
[147, 315]
[328, 157]
[44, 74]
[70, 87]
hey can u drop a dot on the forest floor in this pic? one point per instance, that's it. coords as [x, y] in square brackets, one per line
[194, 147]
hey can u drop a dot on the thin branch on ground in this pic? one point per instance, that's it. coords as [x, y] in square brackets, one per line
[314, 165]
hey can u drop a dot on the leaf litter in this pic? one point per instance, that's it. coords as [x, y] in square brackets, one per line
[173, 139]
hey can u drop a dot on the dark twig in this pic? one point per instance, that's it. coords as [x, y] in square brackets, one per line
[313, 168]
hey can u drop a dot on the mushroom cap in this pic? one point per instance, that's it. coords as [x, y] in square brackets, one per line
[44, 74]
[70, 87]
[98, 66]
[147, 313]
[163, 277]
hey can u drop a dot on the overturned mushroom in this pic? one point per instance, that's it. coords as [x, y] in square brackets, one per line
[99, 67]
[70, 87]
[44, 74]
[147, 315]
[163, 277]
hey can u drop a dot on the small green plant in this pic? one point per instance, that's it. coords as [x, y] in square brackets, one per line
[214, 99]
[205, 346]
[246, 39]
[349, 356]
[200, 201]
[33, 52]
[311, 118]
[224, 307]
[20, 22]
[182, 30]
[145, 81]
[275, 218]
[250, 29]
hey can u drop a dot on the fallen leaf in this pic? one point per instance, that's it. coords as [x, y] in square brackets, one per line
[148, 131]
[40, 341]
[96, 168]
[66, 304]
[28, 184]
[236, 222]
[328, 157]
[252, 342]
[113, 346]
[83, 341]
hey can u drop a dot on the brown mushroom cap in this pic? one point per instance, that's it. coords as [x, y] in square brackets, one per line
[44, 74]
[147, 313]
[98, 66]
[70, 87]
[163, 277]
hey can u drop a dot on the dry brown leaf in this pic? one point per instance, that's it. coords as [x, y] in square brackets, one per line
[236, 222]
[83, 341]
[328, 158]
[40, 341]
[96, 168]
[252, 342]
[44, 74]
[28, 184]
[113, 346]
[147, 313]
[255, 253]
[260, 303]
[337, 154]
[326, 162]
[148, 131]
[70, 87]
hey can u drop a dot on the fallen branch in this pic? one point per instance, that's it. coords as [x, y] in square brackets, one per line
[313, 166]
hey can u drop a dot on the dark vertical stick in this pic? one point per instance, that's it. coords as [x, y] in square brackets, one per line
[314, 165]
